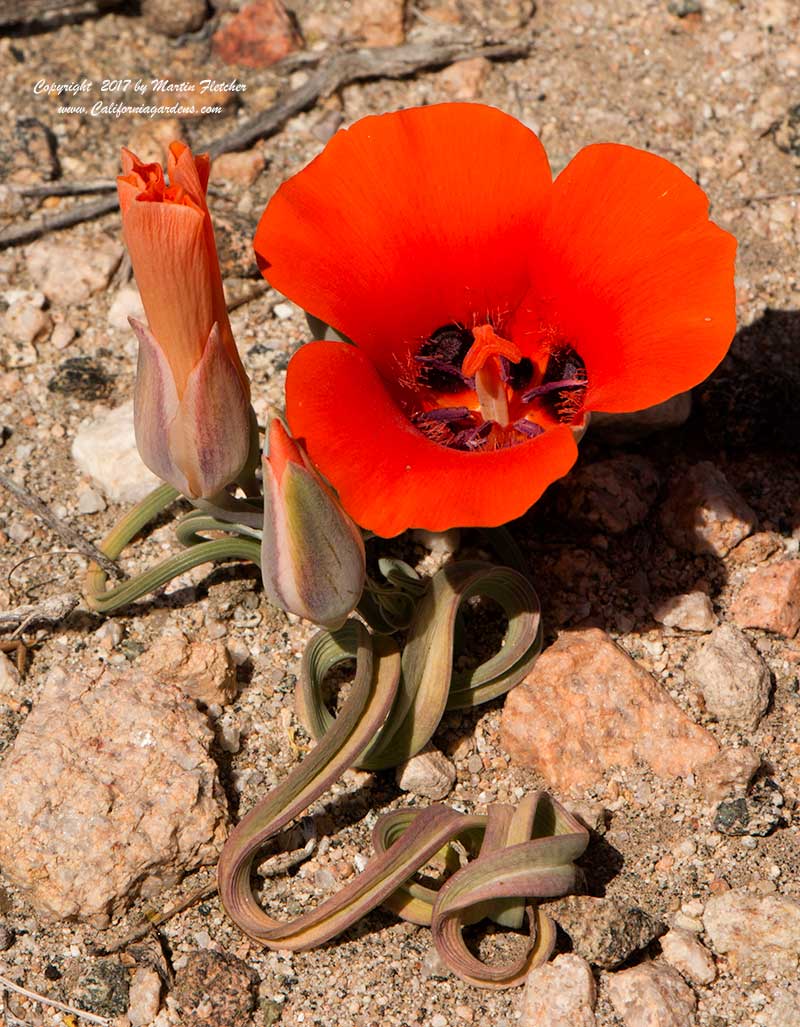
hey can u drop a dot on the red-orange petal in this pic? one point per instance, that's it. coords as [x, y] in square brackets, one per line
[167, 246]
[409, 221]
[388, 475]
[629, 271]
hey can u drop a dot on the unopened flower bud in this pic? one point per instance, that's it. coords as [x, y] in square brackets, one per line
[192, 398]
[312, 554]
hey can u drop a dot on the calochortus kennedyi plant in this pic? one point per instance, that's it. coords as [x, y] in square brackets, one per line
[492, 308]
[483, 311]
[192, 399]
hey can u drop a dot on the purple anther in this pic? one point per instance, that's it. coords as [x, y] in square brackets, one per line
[529, 428]
[445, 414]
[546, 387]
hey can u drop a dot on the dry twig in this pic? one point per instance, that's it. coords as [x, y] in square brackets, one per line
[68, 535]
[49, 611]
[332, 74]
[45, 189]
[34, 996]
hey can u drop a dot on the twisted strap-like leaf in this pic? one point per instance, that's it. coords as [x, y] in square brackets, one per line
[429, 684]
[393, 709]
[527, 853]
[198, 551]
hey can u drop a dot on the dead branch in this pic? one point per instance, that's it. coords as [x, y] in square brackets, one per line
[97, 185]
[332, 74]
[48, 611]
[19, 234]
[12, 12]
[34, 996]
[346, 68]
[67, 534]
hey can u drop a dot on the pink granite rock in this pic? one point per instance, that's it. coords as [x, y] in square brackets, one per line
[770, 599]
[559, 994]
[587, 706]
[258, 35]
[652, 995]
[108, 793]
[202, 670]
[728, 773]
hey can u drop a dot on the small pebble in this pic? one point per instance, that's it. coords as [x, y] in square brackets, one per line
[90, 502]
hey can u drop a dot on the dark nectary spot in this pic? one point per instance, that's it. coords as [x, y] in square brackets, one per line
[562, 386]
[440, 358]
[517, 376]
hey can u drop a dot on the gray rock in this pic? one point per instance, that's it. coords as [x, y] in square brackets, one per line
[756, 815]
[214, 988]
[605, 931]
[127, 303]
[98, 987]
[672, 413]
[105, 449]
[83, 378]
[704, 514]
[90, 502]
[429, 773]
[98, 763]
[63, 334]
[174, 17]
[734, 679]
[690, 612]
[559, 994]
[758, 933]
[652, 995]
[69, 271]
[689, 956]
[25, 323]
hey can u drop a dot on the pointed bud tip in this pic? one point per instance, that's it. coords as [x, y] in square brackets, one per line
[280, 448]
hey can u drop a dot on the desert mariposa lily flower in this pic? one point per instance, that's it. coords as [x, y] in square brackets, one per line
[491, 307]
[192, 398]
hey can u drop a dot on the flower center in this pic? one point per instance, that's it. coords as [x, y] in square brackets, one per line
[475, 389]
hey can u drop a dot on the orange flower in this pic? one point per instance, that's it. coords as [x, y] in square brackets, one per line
[491, 307]
[192, 398]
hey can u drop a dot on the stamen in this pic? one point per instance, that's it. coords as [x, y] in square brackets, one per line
[545, 387]
[444, 368]
[529, 428]
[563, 385]
[445, 414]
[473, 438]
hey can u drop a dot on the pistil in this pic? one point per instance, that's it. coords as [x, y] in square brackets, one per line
[484, 361]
